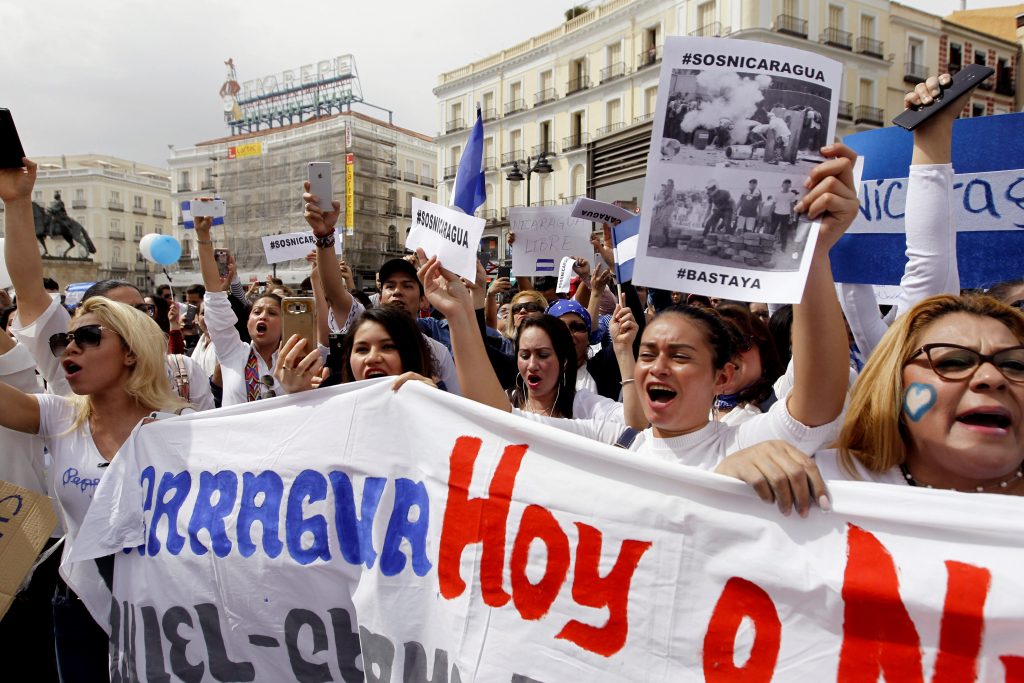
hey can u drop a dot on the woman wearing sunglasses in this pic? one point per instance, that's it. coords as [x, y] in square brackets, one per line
[113, 359]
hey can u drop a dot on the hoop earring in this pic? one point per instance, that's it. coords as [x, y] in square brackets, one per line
[520, 393]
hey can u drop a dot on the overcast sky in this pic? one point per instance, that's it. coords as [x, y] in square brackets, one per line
[129, 78]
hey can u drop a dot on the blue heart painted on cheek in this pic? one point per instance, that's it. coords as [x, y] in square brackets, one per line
[918, 400]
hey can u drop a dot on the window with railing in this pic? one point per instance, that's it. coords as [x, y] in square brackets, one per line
[956, 58]
[1004, 78]
[544, 96]
[845, 110]
[513, 106]
[577, 141]
[652, 55]
[870, 46]
[791, 25]
[868, 115]
[613, 71]
[712, 30]
[837, 37]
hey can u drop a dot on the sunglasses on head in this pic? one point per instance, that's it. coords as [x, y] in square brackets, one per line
[148, 309]
[528, 306]
[85, 337]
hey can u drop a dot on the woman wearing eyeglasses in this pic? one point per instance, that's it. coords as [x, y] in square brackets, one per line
[940, 404]
[113, 359]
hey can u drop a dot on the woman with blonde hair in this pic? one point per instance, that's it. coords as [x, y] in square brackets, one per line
[113, 359]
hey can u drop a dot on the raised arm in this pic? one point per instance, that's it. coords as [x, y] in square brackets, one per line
[207, 261]
[21, 410]
[820, 346]
[448, 294]
[323, 222]
[21, 252]
[623, 330]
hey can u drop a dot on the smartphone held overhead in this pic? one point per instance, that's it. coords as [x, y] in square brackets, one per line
[211, 208]
[963, 81]
[11, 151]
[299, 317]
[320, 183]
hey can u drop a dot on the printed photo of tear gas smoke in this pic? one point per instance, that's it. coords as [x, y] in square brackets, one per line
[730, 218]
[751, 121]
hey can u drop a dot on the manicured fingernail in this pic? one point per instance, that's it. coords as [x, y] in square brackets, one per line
[926, 100]
[825, 503]
[787, 512]
[807, 183]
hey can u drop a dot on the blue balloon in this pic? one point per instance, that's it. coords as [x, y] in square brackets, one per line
[165, 250]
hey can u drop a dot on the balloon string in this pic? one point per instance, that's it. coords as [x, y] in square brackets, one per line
[167, 275]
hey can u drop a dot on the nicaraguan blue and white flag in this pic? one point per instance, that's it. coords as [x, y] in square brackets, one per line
[626, 236]
[470, 191]
[186, 216]
[988, 204]
[546, 265]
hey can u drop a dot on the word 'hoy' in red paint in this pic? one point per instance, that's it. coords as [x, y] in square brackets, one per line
[879, 637]
[469, 521]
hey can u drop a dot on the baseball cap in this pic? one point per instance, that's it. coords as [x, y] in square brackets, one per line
[398, 265]
[563, 306]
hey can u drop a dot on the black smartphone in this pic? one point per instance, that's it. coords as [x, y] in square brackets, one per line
[190, 315]
[11, 151]
[968, 78]
[505, 271]
[334, 356]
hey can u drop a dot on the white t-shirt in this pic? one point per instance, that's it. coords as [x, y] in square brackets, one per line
[584, 381]
[589, 405]
[709, 445]
[204, 355]
[21, 455]
[831, 470]
[232, 352]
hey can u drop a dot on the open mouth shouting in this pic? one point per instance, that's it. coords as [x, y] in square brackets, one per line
[533, 381]
[71, 368]
[660, 394]
[372, 372]
[261, 328]
[993, 421]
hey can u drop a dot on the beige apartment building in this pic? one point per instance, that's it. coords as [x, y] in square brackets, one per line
[260, 177]
[584, 92]
[116, 200]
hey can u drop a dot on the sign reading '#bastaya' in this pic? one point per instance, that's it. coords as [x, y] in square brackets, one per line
[418, 536]
[450, 235]
[292, 245]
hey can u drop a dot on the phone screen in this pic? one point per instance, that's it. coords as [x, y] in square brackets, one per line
[11, 151]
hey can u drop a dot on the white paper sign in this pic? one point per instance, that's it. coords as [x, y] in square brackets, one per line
[293, 245]
[544, 236]
[600, 212]
[454, 542]
[450, 235]
[5, 278]
[738, 126]
[564, 275]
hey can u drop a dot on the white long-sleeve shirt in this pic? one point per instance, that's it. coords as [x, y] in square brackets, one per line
[232, 352]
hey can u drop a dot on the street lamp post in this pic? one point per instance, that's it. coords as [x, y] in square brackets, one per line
[542, 166]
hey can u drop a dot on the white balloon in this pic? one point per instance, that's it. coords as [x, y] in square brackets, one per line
[145, 244]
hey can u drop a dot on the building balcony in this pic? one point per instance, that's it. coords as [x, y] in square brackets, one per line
[410, 177]
[610, 128]
[508, 158]
[873, 116]
[642, 118]
[514, 107]
[116, 235]
[488, 215]
[505, 211]
[159, 213]
[427, 181]
[184, 187]
[77, 203]
[837, 37]
[613, 71]
[915, 73]
[115, 206]
[544, 96]
[118, 265]
[712, 30]
[648, 57]
[391, 209]
[571, 199]
[392, 173]
[575, 142]
[454, 125]
[545, 148]
[208, 185]
[489, 114]
[576, 85]
[490, 163]
[139, 210]
[871, 47]
[450, 171]
[791, 25]
[1005, 87]
[845, 110]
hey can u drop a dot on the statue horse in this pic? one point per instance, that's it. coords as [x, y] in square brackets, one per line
[71, 230]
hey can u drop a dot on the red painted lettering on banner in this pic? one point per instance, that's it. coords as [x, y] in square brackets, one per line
[480, 520]
[483, 520]
[963, 622]
[534, 600]
[612, 591]
[878, 634]
[741, 598]
[1014, 668]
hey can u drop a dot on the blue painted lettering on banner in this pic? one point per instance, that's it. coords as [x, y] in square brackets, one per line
[210, 516]
[355, 533]
[312, 485]
[408, 495]
[269, 487]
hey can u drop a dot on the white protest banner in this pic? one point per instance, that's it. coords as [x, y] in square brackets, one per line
[544, 236]
[292, 245]
[443, 540]
[564, 283]
[5, 278]
[740, 127]
[450, 235]
[600, 212]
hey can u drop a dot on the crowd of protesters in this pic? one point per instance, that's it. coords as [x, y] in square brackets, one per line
[784, 398]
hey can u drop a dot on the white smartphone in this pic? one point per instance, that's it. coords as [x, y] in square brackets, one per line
[320, 183]
[214, 208]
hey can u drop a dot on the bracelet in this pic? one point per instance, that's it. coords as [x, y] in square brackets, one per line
[626, 381]
[325, 242]
[199, 241]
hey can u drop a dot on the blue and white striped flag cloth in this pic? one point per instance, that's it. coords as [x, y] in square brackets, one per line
[186, 216]
[545, 265]
[626, 236]
[470, 190]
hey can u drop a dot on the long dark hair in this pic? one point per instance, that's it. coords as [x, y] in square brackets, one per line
[565, 351]
[412, 347]
[752, 331]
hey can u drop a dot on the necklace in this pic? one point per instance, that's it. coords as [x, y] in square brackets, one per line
[1019, 474]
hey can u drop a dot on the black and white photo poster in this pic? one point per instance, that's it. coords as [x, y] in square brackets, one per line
[737, 128]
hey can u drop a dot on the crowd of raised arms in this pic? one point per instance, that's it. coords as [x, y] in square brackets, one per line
[927, 393]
